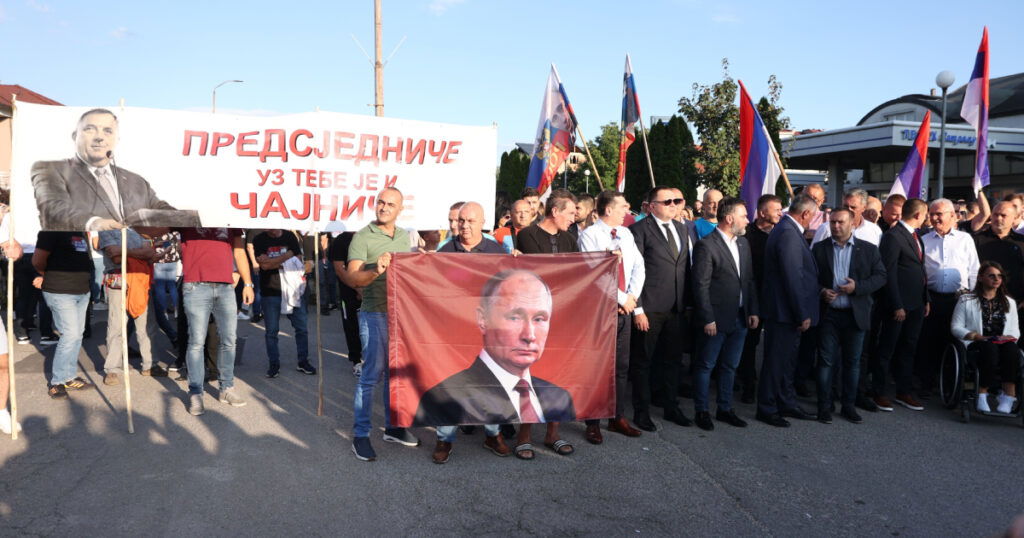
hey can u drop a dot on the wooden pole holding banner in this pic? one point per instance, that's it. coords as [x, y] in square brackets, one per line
[785, 178]
[647, 151]
[319, 346]
[10, 297]
[126, 368]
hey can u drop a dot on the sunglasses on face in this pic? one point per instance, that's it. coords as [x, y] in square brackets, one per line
[671, 201]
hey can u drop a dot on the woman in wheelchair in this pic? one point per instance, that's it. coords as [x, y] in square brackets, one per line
[985, 320]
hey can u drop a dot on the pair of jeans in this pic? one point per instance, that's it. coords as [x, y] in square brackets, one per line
[725, 349]
[373, 333]
[200, 300]
[272, 320]
[69, 315]
[447, 433]
[144, 331]
[839, 339]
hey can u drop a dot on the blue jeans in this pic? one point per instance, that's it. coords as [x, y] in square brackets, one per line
[202, 299]
[272, 319]
[447, 433]
[69, 316]
[839, 338]
[165, 295]
[727, 346]
[373, 334]
[256, 308]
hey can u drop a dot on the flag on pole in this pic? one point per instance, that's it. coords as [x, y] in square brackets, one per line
[554, 136]
[909, 181]
[759, 162]
[630, 116]
[975, 112]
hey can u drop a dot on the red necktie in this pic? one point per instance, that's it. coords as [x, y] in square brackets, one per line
[917, 247]
[527, 414]
[622, 270]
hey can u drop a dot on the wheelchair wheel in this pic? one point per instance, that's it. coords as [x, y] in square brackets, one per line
[951, 377]
[965, 412]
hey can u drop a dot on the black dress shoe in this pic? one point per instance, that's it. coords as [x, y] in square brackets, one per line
[644, 422]
[772, 420]
[824, 417]
[729, 417]
[703, 420]
[676, 415]
[797, 413]
[866, 404]
[851, 414]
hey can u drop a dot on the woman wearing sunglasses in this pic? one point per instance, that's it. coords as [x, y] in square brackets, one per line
[985, 320]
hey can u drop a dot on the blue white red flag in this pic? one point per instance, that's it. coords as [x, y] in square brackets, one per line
[630, 116]
[554, 136]
[975, 111]
[909, 181]
[759, 163]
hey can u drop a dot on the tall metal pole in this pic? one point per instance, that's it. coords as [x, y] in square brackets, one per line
[942, 145]
[213, 106]
[378, 64]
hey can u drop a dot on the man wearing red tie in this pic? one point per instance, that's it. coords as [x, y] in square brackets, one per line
[608, 234]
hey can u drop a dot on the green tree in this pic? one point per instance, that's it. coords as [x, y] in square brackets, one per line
[605, 150]
[714, 114]
[512, 172]
[673, 159]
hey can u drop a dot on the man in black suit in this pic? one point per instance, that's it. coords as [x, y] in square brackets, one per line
[664, 244]
[849, 271]
[790, 307]
[513, 316]
[87, 192]
[726, 305]
[904, 303]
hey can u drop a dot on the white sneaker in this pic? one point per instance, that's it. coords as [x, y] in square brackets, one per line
[5, 422]
[243, 316]
[1005, 403]
[983, 403]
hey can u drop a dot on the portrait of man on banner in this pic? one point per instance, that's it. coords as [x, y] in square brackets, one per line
[515, 353]
[89, 192]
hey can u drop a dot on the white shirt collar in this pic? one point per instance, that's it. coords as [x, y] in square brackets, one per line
[798, 226]
[907, 226]
[726, 238]
[507, 379]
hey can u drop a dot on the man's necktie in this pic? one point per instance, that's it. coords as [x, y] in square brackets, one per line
[917, 247]
[622, 270]
[672, 247]
[527, 414]
[105, 181]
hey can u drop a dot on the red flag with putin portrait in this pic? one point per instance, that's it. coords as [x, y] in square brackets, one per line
[496, 339]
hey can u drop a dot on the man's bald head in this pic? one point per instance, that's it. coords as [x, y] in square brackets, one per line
[471, 224]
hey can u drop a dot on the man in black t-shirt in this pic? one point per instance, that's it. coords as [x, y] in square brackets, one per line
[65, 265]
[350, 301]
[272, 249]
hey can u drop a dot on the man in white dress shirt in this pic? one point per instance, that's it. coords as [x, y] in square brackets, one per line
[608, 234]
[950, 264]
[856, 201]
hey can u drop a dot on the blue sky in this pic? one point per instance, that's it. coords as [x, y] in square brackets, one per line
[482, 61]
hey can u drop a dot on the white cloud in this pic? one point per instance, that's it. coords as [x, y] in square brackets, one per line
[39, 6]
[121, 33]
[725, 18]
[438, 7]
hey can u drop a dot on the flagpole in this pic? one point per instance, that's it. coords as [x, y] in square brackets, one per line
[10, 295]
[319, 345]
[782, 168]
[124, 316]
[647, 150]
[590, 158]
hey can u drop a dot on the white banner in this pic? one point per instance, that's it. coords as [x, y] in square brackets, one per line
[308, 172]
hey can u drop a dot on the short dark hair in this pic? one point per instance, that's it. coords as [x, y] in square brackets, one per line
[654, 192]
[912, 207]
[96, 111]
[528, 192]
[605, 199]
[766, 199]
[456, 205]
[727, 206]
[839, 210]
[558, 200]
[492, 285]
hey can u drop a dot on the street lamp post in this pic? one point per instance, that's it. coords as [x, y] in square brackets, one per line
[944, 80]
[214, 107]
[586, 174]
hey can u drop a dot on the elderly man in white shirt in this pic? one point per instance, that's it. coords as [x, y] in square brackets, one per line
[856, 201]
[608, 234]
[950, 265]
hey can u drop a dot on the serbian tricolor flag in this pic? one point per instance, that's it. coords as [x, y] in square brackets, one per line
[630, 115]
[759, 164]
[908, 181]
[975, 112]
[554, 136]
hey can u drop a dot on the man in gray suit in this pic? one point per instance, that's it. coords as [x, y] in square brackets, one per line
[88, 191]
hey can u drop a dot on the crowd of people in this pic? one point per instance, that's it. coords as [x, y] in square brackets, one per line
[856, 300]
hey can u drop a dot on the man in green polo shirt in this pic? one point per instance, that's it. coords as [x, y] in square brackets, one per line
[369, 256]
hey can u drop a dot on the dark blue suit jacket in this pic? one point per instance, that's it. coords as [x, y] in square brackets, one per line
[790, 290]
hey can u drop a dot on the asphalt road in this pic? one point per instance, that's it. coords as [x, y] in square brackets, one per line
[275, 468]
